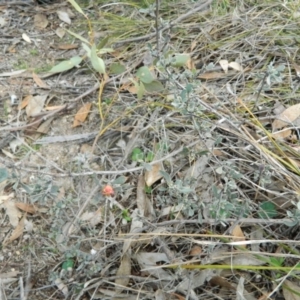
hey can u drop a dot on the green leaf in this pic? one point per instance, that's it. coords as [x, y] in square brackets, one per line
[120, 180]
[149, 157]
[87, 49]
[137, 154]
[76, 6]
[68, 265]
[117, 68]
[3, 174]
[267, 210]
[144, 75]
[97, 62]
[79, 37]
[66, 65]
[179, 60]
[141, 90]
[154, 86]
[103, 42]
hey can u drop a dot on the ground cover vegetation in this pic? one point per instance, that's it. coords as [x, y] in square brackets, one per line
[150, 150]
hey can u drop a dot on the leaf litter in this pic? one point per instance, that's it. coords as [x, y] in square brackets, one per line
[221, 153]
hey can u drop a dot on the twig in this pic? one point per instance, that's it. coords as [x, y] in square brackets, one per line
[171, 24]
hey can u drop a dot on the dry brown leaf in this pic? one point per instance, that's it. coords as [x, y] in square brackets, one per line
[67, 46]
[25, 102]
[124, 271]
[45, 126]
[40, 21]
[143, 202]
[190, 64]
[221, 281]
[42, 84]
[12, 211]
[195, 251]
[17, 232]
[29, 208]
[287, 288]
[287, 117]
[82, 114]
[35, 105]
[132, 89]
[154, 174]
[238, 234]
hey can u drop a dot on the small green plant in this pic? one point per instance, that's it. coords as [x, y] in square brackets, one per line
[126, 215]
[139, 156]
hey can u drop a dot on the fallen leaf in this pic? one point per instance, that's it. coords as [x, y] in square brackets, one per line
[40, 83]
[61, 286]
[60, 32]
[12, 211]
[224, 65]
[195, 251]
[17, 232]
[25, 101]
[27, 207]
[236, 66]
[64, 16]
[154, 174]
[26, 38]
[286, 117]
[35, 105]
[221, 281]
[45, 126]
[124, 271]
[40, 21]
[238, 234]
[82, 114]
[143, 202]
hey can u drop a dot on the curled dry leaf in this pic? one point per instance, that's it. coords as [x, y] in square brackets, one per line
[287, 117]
[154, 174]
[82, 114]
[29, 208]
[17, 232]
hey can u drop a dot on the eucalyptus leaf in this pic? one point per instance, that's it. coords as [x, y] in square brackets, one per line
[77, 36]
[66, 65]
[145, 75]
[179, 60]
[76, 6]
[154, 86]
[97, 62]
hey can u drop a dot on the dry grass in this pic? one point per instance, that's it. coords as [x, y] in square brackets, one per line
[217, 224]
